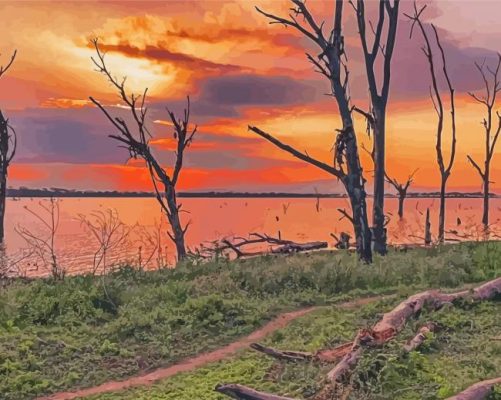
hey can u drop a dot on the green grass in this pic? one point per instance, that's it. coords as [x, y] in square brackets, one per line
[460, 354]
[84, 331]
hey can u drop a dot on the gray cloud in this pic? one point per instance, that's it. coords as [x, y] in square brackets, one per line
[247, 89]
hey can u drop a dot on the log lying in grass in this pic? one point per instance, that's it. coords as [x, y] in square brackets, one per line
[478, 391]
[351, 358]
[329, 355]
[420, 337]
[394, 321]
[299, 247]
[244, 393]
[386, 329]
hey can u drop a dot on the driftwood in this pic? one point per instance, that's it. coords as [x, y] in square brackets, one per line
[478, 391]
[244, 393]
[329, 355]
[277, 246]
[385, 330]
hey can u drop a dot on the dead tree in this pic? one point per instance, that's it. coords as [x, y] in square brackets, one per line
[275, 245]
[331, 63]
[137, 141]
[376, 116]
[8, 142]
[436, 97]
[491, 133]
[401, 189]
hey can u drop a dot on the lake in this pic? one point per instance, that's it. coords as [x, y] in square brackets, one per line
[148, 245]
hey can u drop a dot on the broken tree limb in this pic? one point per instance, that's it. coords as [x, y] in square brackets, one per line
[351, 358]
[420, 337]
[478, 391]
[386, 329]
[278, 246]
[298, 247]
[283, 354]
[329, 355]
[394, 321]
[244, 393]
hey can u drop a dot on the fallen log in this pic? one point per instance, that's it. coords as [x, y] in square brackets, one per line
[386, 329]
[420, 337]
[328, 355]
[277, 246]
[478, 391]
[351, 358]
[298, 247]
[283, 354]
[244, 393]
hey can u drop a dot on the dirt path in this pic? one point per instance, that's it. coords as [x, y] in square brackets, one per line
[199, 360]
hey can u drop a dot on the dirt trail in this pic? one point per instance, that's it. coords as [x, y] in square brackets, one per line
[199, 360]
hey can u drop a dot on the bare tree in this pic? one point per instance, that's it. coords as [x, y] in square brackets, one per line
[43, 245]
[136, 141]
[401, 189]
[376, 116]
[8, 142]
[436, 97]
[109, 232]
[491, 133]
[331, 63]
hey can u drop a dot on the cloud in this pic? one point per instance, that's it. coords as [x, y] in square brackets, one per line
[72, 136]
[248, 89]
[160, 54]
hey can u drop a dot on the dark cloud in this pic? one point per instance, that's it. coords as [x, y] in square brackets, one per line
[72, 136]
[248, 89]
[160, 54]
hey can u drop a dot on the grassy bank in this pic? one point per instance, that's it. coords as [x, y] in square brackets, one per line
[461, 353]
[86, 330]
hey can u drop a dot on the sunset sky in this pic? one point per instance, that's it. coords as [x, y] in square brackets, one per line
[238, 70]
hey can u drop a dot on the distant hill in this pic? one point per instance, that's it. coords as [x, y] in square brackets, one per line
[58, 192]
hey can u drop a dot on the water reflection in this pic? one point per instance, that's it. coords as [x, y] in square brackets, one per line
[82, 242]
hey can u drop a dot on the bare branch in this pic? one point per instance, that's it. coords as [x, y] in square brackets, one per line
[3, 69]
[296, 153]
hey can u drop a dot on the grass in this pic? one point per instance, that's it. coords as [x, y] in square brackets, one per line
[86, 330]
[461, 353]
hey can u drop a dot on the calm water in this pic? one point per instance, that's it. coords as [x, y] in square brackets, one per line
[148, 244]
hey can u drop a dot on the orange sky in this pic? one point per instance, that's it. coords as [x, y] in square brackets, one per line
[238, 71]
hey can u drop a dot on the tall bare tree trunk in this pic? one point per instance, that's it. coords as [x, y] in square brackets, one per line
[491, 135]
[485, 215]
[3, 190]
[441, 214]
[378, 218]
[379, 93]
[175, 223]
[8, 144]
[401, 199]
[436, 97]
[354, 183]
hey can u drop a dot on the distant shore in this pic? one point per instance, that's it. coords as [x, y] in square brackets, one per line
[25, 192]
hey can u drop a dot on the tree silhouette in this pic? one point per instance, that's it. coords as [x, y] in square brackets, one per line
[136, 140]
[331, 63]
[436, 97]
[8, 143]
[379, 93]
[491, 132]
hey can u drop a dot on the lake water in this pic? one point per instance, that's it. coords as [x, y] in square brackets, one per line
[147, 243]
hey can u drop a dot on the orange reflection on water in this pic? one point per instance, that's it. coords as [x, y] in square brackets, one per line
[211, 219]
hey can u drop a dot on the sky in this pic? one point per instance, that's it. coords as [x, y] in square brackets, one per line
[238, 70]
